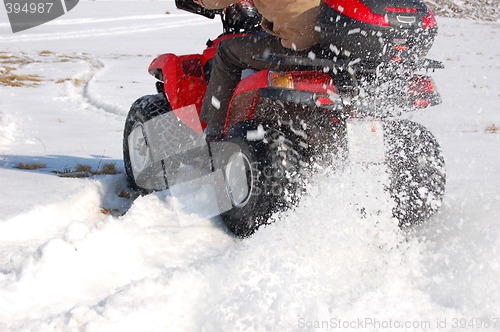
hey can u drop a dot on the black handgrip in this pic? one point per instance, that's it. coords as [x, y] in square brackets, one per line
[192, 7]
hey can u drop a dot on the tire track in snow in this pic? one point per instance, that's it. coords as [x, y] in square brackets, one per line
[77, 21]
[95, 66]
[78, 89]
[105, 31]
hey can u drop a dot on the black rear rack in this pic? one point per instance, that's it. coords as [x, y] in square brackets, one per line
[305, 63]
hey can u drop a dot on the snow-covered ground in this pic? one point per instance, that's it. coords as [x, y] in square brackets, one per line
[81, 254]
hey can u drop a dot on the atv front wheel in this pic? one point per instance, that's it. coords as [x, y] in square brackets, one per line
[143, 175]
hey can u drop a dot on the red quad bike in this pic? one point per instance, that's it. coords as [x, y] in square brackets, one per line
[369, 68]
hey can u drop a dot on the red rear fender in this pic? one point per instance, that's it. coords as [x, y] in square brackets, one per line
[209, 52]
[304, 88]
[245, 97]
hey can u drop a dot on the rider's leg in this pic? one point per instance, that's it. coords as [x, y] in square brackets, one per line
[232, 57]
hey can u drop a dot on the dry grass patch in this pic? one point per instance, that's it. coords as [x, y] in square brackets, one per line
[109, 169]
[85, 171]
[30, 166]
[71, 58]
[124, 194]
[75, 81]
[112, 212]
[19, 60]
[45, 53]
[9, 63]
[8, 78]
[492, 129]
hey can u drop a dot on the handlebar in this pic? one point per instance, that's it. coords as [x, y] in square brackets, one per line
[192, 7]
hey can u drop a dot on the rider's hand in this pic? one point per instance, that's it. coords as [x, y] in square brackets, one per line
[199, 2]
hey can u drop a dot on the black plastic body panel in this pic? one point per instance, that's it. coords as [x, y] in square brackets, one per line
[347, 38]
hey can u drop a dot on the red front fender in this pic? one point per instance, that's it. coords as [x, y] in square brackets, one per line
[183, 77]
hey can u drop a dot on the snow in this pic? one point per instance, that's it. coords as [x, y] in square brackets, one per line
[80, 254]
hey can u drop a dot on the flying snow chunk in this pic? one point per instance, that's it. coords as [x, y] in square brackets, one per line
[255, 135]
[353, 62]
[215, 102]
[334, 48]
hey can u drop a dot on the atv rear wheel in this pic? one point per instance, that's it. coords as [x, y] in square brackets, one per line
[417, 171]
[142, 174]
[263, 176]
